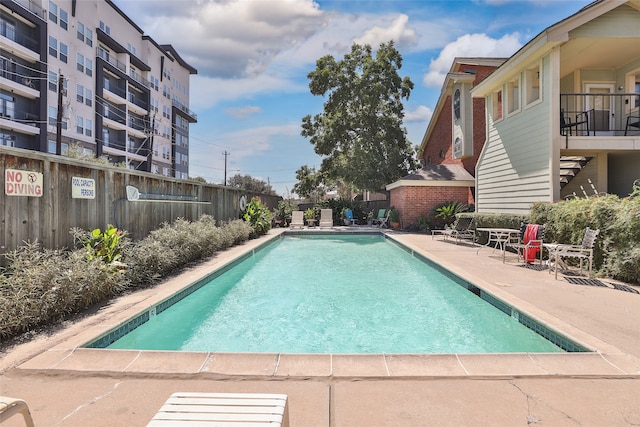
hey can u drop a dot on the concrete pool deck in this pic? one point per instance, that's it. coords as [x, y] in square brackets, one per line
[70, 386]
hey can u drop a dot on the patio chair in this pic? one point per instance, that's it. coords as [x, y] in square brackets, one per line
[10, 407]
[462, 229]
[350, 217]
[583, 252]
[383, 218]
[632, 121]
[529, 243]
[242, 409]
[297, 219]
[566, 125]
[326, 218]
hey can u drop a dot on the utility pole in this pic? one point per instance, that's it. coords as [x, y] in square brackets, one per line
[59, 118]
[150, 136]
[226, 154]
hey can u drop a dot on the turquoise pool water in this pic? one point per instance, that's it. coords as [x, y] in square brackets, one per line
[334, 294]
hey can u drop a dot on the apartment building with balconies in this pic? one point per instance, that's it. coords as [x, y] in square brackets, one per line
[83, 73]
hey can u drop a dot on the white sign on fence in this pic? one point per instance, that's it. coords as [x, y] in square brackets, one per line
[22, 183]
[83, 188]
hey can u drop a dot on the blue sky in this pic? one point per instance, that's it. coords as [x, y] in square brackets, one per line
[253, 58]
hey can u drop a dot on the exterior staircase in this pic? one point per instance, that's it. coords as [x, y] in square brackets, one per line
[570, 166]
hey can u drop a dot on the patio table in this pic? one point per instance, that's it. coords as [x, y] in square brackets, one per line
[499, 236]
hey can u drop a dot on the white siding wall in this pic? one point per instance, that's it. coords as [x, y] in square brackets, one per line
[514, 170]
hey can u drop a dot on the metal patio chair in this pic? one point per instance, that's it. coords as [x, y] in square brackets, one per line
[583, 252]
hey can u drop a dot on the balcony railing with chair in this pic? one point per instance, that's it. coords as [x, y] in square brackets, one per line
[590, 114]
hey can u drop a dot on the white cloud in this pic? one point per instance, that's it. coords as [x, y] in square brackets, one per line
[420, 114]
[469, 45]
[242, 113]
[212, 91]
[229, 39]
[396, 31]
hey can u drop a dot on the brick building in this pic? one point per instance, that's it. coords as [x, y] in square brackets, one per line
[450, 147]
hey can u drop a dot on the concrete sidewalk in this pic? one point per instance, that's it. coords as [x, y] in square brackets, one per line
[68, 386]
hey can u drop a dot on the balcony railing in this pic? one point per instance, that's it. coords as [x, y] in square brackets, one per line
[33, 7]
[21, 74]
[184, 109]
[111, 60]
[589, 114]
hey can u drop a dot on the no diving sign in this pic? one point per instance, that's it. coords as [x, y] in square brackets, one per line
[22, 183]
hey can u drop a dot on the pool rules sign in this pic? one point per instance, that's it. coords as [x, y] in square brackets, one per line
[22, 183]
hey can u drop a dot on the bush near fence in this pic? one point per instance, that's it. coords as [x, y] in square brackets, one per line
[45, 286]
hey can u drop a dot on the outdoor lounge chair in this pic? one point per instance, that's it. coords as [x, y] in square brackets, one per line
[632, 121]
[326, 218]
[383, 218]
[10, 407]
[297, 219]
[350, 217]
[462, 229]
[242, 409]
[583, 252]
[529, 243]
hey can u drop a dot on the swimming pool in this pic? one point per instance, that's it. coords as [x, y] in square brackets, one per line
[393, 314]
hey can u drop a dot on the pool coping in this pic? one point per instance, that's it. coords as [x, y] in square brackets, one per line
[67, 352]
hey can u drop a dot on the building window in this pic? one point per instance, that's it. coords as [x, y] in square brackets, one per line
[53, 12]
[456, 104]
[532, 84]
[105, 28]
[84, 96]
[497, 106]
[513, 93]
[53, 81]
[79, 125]
[53, 116]
[88, 67]
[80, 31]
[7, 105]
[80, 62]
[7, 140]
[64, 19]
[64, 52]
[88, 37]
[88, 127]
[53, 46]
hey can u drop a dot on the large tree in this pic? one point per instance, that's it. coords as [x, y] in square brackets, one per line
[360, 133]
[250, 184]
[309, 183]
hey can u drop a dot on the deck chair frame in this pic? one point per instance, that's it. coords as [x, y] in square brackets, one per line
[583, 252]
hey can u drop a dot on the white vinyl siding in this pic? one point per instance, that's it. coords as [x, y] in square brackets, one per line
[510, 177]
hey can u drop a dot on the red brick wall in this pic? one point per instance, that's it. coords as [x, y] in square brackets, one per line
[412, 202]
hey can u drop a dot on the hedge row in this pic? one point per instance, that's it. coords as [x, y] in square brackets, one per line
[43, 286]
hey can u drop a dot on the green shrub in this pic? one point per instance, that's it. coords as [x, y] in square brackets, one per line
[448, 211]
[617, 248]
[44, 286]
[258, 216]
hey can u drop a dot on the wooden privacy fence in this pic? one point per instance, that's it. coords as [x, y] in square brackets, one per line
[45, 195]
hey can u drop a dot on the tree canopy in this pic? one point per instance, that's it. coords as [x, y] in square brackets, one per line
[360, 133]
[309, 183]
[250, 184]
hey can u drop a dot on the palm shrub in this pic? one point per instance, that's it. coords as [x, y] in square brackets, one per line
[258, 216]
[448, 211]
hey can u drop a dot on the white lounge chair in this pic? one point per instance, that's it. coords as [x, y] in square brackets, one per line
[227, 409]
[10, 407]
[297, 219]
[326, 218]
